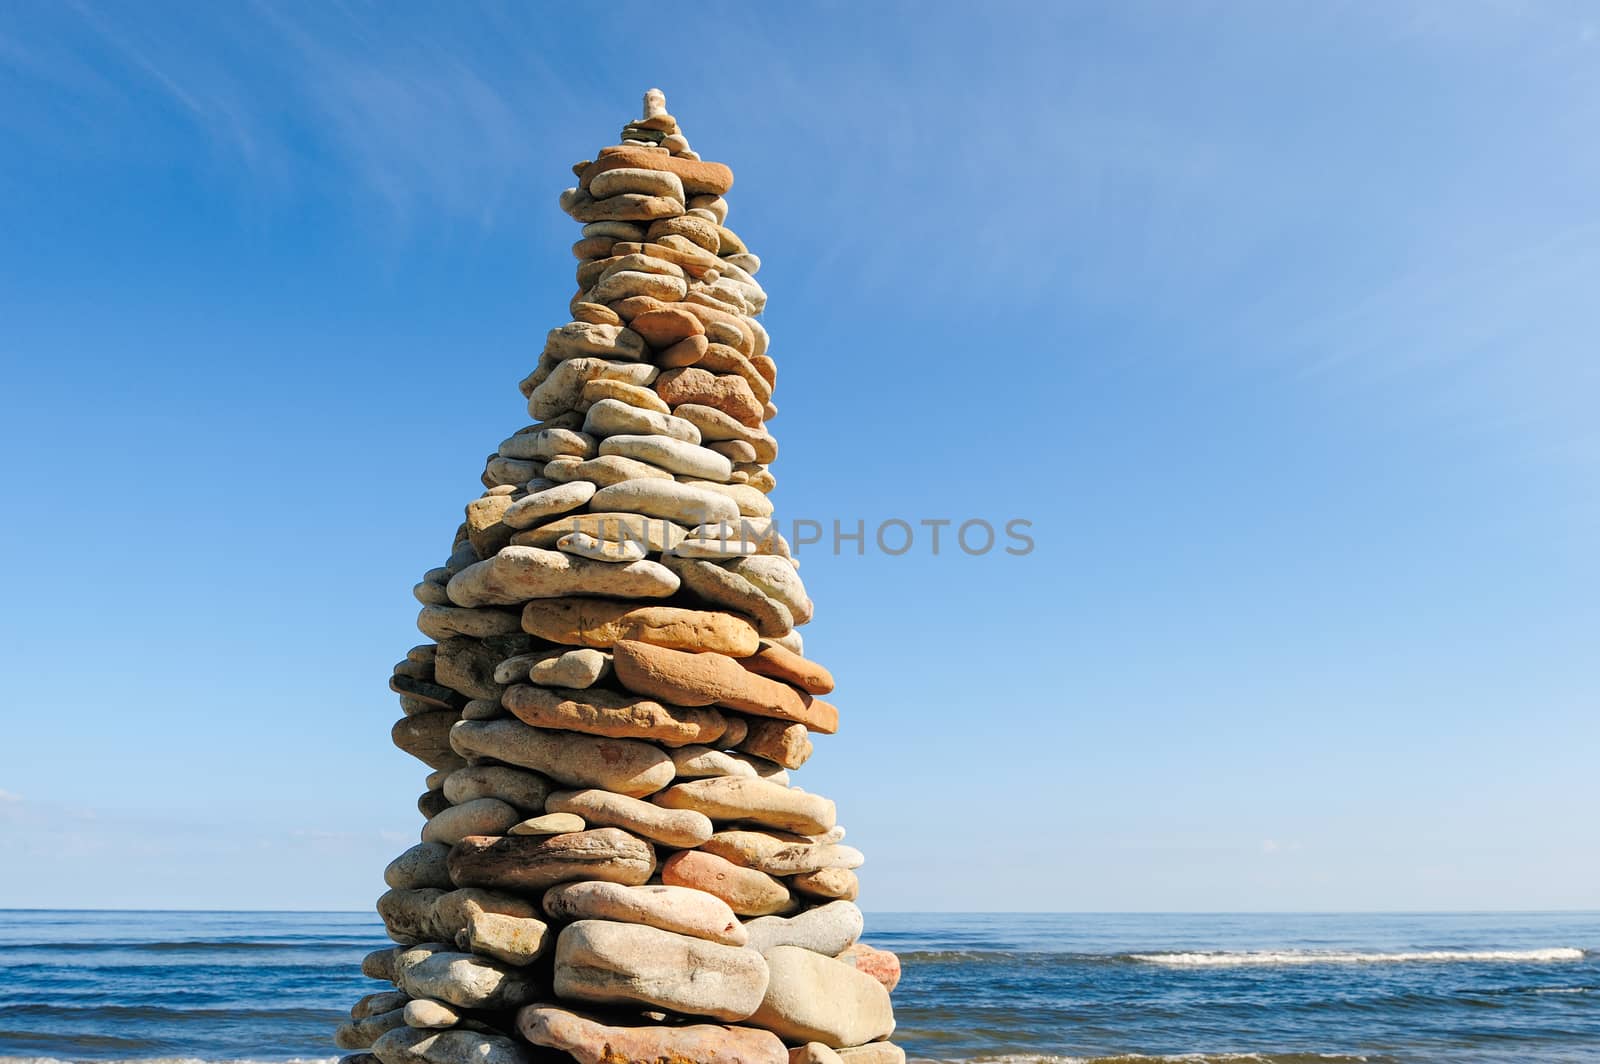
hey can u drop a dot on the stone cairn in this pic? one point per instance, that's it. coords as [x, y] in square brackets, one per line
[615, 866]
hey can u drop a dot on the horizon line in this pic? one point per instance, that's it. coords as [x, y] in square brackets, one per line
[929, 912]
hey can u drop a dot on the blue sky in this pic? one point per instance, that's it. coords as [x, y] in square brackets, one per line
[1277, 321]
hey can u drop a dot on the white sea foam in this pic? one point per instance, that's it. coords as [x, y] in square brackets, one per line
[1140, 1058]
[1227, 959]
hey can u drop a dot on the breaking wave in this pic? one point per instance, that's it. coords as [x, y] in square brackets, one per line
[1254, 958]
[1176, 1058]
[1229, 959]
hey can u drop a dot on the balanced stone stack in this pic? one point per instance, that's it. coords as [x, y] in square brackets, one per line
[615, 865]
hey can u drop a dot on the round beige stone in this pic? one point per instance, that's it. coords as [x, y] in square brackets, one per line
[518, 574]
[655, 534]
[613, 417]
[532, 509]
[427, 1013]
[624, 766]
[608, 963]
[757, 800]
[549, 824]
[584, 545]
[516, 940]
[631, 394]
[679, 503]
[526, 864]
[602, 471]
[627, 283]
[632, 179]
[671, 827]
[545, 444]
[526, 791]
[481, 816]
[674, 455]
[575, 669]
[813, 998]
[681, 909]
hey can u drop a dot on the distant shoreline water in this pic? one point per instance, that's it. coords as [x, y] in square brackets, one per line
[1009, 988]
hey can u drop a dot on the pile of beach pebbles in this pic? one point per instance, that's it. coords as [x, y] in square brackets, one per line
[615, 865]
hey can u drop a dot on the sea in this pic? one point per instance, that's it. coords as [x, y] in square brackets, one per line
[1464, 988]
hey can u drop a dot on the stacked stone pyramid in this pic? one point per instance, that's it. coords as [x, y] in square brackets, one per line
[616, 866]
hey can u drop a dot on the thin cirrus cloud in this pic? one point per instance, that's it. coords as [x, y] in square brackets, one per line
[1276, 309]
[1489, 341]
[414, 123]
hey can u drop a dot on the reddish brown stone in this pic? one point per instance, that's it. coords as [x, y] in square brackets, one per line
[611, 715]
[712, 679]
[665, 327]
[781, 663]
[724, 326]
[685, 352]
[766, 367]
[597, 622]
[698, 177]
[838, 883]
[878, 963]
[721, 358]
[729, 394]
[776, 740]
[633, 306]
[747, 891]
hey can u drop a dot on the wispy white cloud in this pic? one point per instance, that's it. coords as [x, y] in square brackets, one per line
[1491, 339]
[1160, 209]
[423, 123]
[136, 55]
[413, 121]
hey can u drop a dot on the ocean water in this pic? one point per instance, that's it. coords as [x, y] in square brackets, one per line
[1483, 988]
